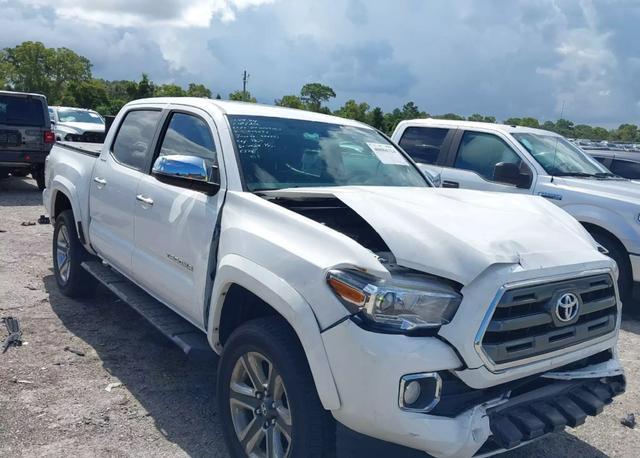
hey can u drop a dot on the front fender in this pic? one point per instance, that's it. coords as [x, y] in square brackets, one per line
[609, 220]
[276, 292]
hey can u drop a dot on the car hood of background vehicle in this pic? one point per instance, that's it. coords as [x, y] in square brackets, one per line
[80, 127]
[457, 234]
[625, 190]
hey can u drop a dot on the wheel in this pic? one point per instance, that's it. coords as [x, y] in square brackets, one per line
[625, 276]
[38, 175]
[20, 173]
[267, 398]
[68, 254]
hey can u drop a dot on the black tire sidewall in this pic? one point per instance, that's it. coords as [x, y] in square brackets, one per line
[295, 381]
[621, 257]
[79, 281]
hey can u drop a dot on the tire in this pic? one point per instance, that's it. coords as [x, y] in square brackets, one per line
[271, 343]
[68, 255]
[38, 175]
[625, 276]
[20, 173]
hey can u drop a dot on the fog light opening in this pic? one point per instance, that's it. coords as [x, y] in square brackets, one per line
[419, 392]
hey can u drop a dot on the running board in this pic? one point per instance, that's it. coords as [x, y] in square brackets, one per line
[191, 340]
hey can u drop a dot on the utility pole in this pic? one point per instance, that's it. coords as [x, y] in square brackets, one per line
[245, 79]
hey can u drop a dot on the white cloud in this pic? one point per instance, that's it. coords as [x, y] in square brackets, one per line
[147, 13]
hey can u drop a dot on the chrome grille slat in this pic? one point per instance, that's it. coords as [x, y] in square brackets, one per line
[523, 325]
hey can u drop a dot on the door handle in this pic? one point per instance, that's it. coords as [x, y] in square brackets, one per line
[144, 200]
[450, 184]
[100, 181]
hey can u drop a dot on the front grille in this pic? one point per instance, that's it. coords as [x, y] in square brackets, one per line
[525, 323]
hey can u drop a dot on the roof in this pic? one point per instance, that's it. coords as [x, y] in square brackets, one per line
[451, 124]
[72, 108]
[23, 94]
[251, 109]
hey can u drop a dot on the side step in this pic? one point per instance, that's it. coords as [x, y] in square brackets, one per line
[190, 339]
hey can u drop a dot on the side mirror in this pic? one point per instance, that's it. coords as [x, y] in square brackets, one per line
[508, 172]
[190, 172]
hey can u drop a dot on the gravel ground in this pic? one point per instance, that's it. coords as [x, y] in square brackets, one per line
[53, 397]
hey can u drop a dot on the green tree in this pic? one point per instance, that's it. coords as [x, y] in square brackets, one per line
[240, 96]
[170, 90]
[198, 90]
[583, 131]
[524, 122]
[32, 67]
[476, 117]
[451, 116]
[353, 110]
[376, 118]
[290, 101]
[316, 94]
[600, 133]
[87, 94]
[627, 133]
[564, 127]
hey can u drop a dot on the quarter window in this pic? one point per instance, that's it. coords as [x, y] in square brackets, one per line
[423, 144]
[132, 145]
[188, 135]
[480, 152]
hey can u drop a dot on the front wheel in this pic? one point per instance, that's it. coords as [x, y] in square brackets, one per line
[267, 398]
[625, 275]
[68, 255]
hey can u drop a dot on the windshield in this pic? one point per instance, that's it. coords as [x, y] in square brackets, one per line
[278, 153]
[559, 157]
[69, 115]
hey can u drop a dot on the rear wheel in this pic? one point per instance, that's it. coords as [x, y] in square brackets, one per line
[267, 398]
[38, 175]
[625, 278]
[68, 255]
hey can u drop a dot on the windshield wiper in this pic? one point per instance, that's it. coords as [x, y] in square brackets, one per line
[586, 175]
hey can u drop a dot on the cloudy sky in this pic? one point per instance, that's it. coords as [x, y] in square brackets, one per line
[499, 57]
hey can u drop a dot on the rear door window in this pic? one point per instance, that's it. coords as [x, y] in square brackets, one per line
[626, 169]
[424, 144]
[132, 146]
[480, 152]
[21, 111]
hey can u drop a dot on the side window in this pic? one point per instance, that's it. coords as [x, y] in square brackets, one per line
[188, 135]
[423, 144]
[600, 159]
[132, 145]
[480, 152]
[626, 169]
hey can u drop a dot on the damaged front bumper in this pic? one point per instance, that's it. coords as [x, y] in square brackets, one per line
[367, 368]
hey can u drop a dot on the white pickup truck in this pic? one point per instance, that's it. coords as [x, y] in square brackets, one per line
[521, 160]
[335, 282]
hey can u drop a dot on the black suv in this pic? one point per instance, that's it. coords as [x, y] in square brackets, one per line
[25, 135]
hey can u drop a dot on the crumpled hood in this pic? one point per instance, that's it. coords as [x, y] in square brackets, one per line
[624, 190]
[458, 233]
[79, 127]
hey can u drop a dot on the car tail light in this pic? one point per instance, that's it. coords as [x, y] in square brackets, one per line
[49, 136]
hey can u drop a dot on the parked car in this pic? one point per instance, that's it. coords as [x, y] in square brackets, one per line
[25, 135]
[623, 163]
[521, 160]
[77, 124]
[336, 283]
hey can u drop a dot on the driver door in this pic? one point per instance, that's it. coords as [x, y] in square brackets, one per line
[174, 226]
[474, 164]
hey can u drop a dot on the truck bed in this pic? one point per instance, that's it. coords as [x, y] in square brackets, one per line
[92, 149]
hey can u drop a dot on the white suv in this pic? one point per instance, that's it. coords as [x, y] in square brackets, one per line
[497, 157]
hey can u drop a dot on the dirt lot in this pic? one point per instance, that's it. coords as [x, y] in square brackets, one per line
[53, 400]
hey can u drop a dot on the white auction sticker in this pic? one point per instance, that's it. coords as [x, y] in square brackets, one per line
[387, 154]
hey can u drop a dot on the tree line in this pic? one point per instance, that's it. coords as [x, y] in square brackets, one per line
[65, 77]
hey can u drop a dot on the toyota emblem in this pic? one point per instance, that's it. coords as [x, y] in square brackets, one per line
[567, 307]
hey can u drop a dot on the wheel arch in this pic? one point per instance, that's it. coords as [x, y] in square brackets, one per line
[238, 278]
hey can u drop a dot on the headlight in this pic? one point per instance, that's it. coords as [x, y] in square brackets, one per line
[404, 303]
